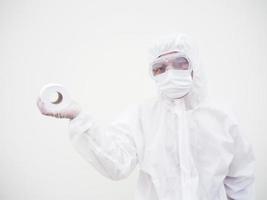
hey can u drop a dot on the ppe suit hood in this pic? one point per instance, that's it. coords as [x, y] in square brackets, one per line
[182, 43]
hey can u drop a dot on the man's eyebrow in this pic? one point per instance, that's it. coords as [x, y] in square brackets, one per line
[168, 53]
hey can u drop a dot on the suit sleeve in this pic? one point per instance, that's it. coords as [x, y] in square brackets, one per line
[239, 183]
[110, 148]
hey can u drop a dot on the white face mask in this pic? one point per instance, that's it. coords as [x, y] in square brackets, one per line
[174, 83]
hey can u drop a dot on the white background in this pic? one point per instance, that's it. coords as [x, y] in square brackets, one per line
[98, 50]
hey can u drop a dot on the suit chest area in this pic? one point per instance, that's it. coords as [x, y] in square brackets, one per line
[206, 137]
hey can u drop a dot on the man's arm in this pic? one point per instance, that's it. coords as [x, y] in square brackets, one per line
[239, 183]
[110, 148]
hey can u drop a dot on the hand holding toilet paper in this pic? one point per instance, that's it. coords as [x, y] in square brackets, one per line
[54, 100]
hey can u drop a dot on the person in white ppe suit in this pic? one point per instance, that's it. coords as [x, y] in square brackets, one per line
[185, 149]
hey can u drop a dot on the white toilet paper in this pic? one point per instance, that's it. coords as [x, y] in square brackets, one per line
[55, 97]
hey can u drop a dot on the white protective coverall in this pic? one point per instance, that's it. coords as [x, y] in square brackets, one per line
[185, 149]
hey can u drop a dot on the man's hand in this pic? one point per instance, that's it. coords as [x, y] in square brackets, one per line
[69, 112]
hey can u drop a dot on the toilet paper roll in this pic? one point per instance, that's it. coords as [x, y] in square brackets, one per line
[55, 97]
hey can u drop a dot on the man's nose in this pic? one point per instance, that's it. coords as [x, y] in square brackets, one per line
[169, 66]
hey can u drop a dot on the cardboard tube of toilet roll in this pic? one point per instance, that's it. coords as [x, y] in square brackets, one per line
[63, 97]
